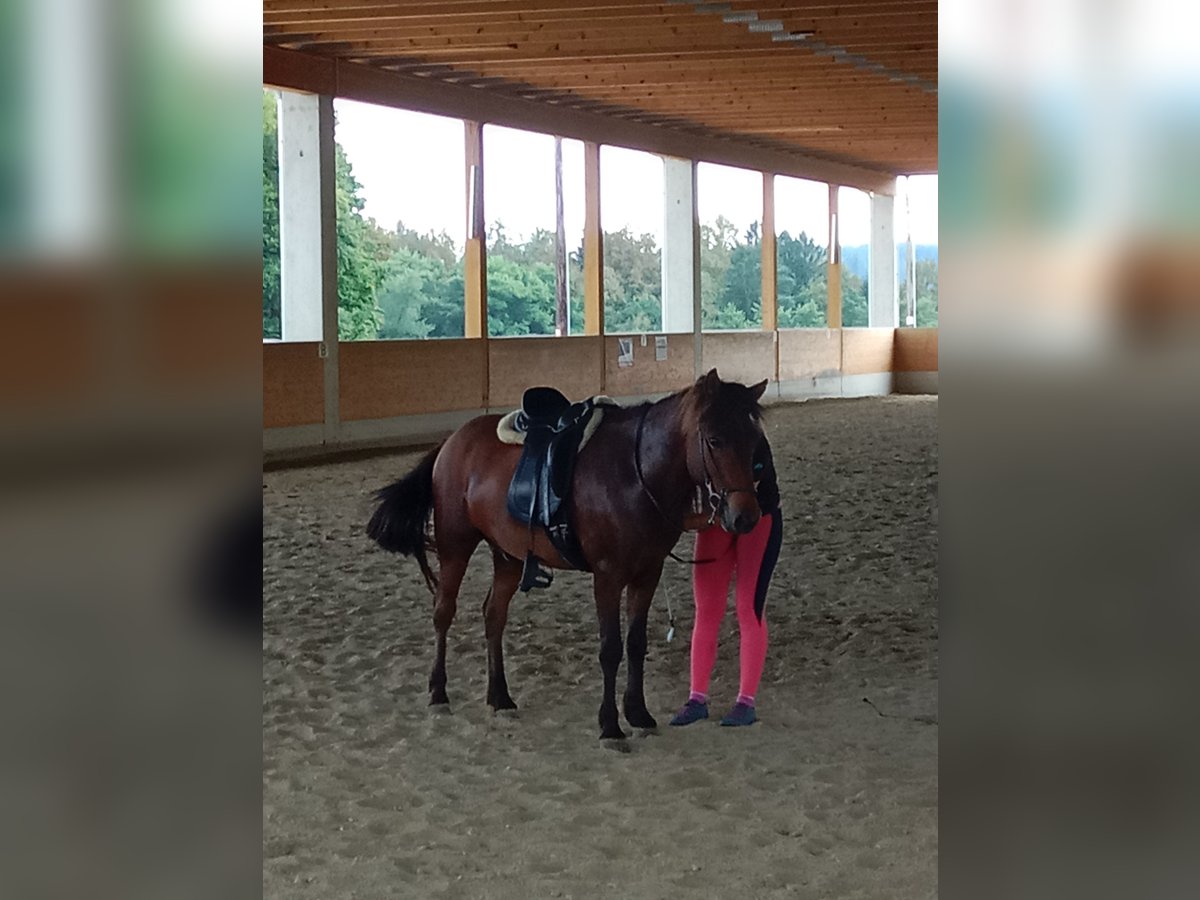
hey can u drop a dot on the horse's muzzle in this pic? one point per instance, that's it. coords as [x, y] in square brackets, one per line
[740, 521]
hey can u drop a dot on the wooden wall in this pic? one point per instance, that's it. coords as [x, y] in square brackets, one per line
[649, 375]
[382, 379]
[916, 350]
[293, 385]
[571, 364]
[745, 356]
[809, 353]
[384, 384]
[866, 351]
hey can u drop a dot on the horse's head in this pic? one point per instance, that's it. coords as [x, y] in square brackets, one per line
[722, 426]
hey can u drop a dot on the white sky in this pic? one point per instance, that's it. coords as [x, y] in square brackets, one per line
[411, 168]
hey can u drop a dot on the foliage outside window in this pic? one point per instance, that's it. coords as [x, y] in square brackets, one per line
[523, 171]
[916, 214]
[631, 209]
[854, 230]
[730, 247]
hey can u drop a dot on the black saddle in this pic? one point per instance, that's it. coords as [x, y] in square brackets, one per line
[541, 486]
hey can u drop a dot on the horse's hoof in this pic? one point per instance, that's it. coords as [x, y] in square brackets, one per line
[647, 732]
[439, 709]
[620, 745]
[506, 713]
[645, 722]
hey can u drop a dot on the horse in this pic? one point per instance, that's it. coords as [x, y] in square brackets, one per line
[635, 482]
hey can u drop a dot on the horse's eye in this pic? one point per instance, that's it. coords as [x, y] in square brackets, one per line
[716, 443]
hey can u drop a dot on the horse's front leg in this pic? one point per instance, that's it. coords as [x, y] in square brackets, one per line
[608, 614]
[641, 592]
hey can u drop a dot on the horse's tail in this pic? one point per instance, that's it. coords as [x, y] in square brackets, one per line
[401, 521]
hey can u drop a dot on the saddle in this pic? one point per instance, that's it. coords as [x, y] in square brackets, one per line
[553, 428]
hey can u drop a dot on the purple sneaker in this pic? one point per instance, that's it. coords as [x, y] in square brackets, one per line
[741, 714]
[692, 711]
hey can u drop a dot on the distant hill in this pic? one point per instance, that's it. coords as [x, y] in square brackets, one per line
[856, 259]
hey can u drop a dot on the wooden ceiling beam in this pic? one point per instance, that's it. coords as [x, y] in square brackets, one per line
[568, 51]
[649, 36]
[406, 14]
[781, 99]
[474, 8]
[300, 71]
[681, 73]
[316, 22]
[612, 27]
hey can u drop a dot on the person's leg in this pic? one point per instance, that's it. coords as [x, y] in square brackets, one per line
[710, 590]
[757, 553]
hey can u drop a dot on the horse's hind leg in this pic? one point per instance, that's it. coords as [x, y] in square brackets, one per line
[505, 580]
[453, 566]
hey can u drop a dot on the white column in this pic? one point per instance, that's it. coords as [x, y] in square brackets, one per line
[300, 217]
[678, 250]
[327, 217]
[883, 295]
[70, 121]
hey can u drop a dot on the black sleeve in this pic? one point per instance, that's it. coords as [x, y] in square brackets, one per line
[768, 486]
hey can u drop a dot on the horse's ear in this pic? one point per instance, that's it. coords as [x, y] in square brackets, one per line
[757, 390]
[711, 381]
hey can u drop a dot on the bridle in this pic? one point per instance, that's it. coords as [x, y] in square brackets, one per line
[717, 501]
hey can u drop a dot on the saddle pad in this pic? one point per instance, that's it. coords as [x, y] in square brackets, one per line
[509, 435]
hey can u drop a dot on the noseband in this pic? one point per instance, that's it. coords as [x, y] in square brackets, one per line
[718, 501]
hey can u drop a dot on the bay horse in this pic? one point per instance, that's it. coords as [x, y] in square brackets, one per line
[635, 482]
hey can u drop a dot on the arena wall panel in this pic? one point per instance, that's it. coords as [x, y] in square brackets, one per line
[572, 364]
[745, 356]
[382, 379]
[866, 351]
[293, 385]
[649, 375]
[809, 353]
[916, 350]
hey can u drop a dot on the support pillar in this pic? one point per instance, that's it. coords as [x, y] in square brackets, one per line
[883, 299]
[475, 255]
[679, 252]
[300, 257]
[833, 267]
[770, 267]
[328, 257]
[593, 243]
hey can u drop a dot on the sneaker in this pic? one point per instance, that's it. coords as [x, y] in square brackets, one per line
[741, 714]
[692, 711]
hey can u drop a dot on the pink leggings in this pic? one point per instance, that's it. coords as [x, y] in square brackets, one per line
[753, 557]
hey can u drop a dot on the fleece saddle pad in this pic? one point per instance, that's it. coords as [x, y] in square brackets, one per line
[508, 434]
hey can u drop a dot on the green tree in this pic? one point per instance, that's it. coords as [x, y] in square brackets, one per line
[927, 293]
[632, 282]
[422, 291]
[362, 252]
[854, 300]
[717, 242]
[802, 283]
[361, 245]
[520, 297]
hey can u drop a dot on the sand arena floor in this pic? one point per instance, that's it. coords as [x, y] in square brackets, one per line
[365, 794]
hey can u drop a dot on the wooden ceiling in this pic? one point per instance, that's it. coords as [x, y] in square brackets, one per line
[849, 81]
